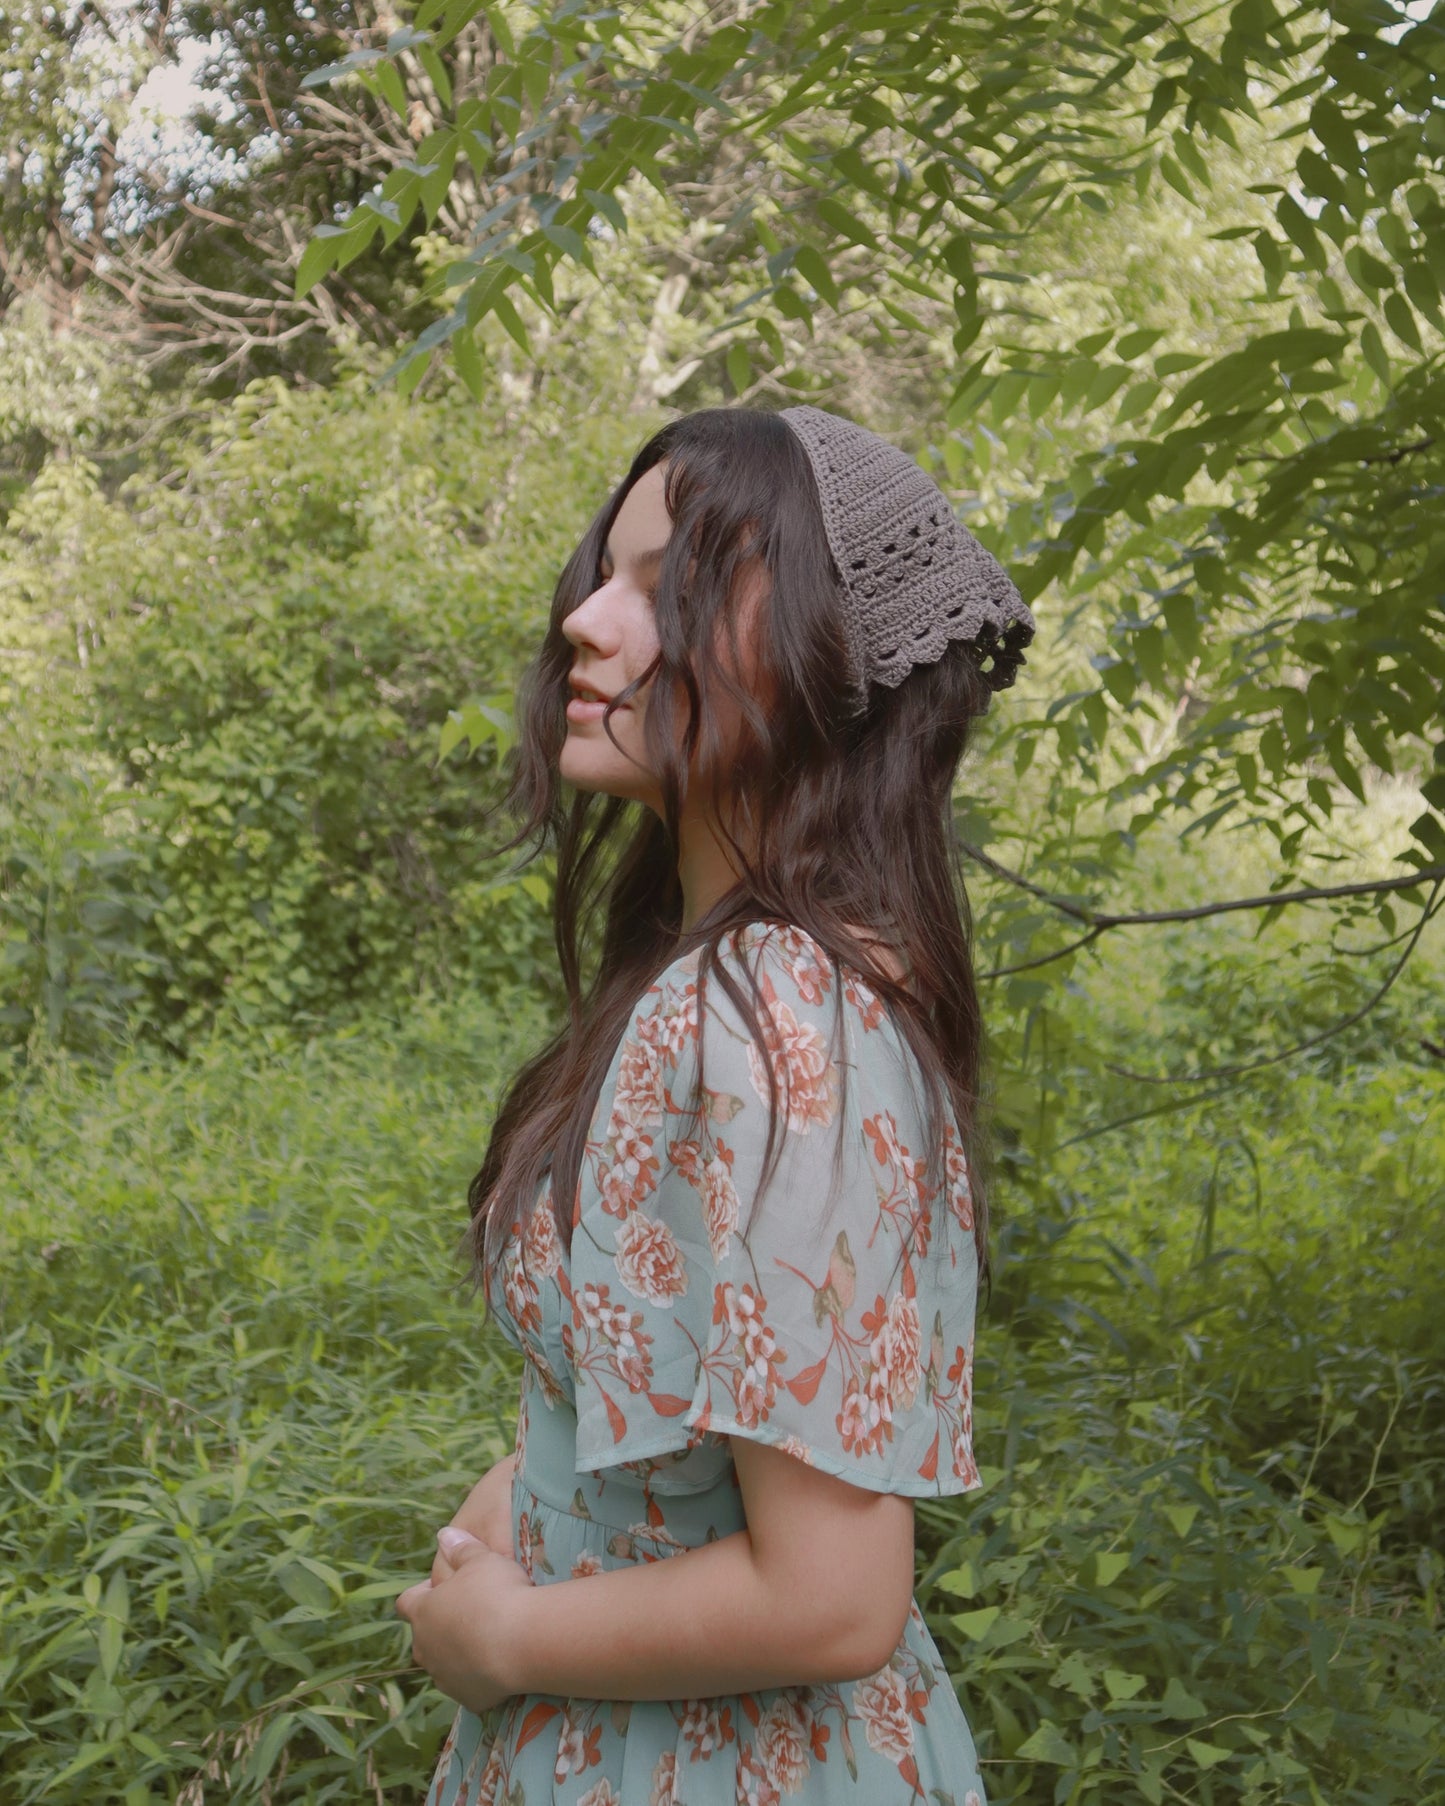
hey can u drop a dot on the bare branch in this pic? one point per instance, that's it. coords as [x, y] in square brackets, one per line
[1101, 919]
[1245, 1066]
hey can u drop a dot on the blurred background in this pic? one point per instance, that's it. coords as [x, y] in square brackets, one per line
[323, 331]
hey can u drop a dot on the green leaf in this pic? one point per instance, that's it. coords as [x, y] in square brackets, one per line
[1133, 343]
[1401, 321]
[1047, 1744]
[814, 270]
[1178, 1702]
[1102, 1570]
[512, 321]
[1181, 1517]
[1175, 176]
[389, 84]
[316, 261]
[299, 1582]
[358, 59]
[1305, 1581]
[834, 215]
[269, 1747]
[1373, 348]
[977, 1625]
[608, 206]
[468, 361]
[1140, 398]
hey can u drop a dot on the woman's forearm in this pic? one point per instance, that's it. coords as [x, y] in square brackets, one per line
[710, 1620]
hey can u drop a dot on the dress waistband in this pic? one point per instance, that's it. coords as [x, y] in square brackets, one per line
[548, 1471]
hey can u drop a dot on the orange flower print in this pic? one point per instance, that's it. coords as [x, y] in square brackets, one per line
[576, 1749]
[541, 1249]
[664, 1781]
[867, 1413]
[961, 1373]
[866, 1001]
[719, 1202]
[882, 1703]
[629, 1168]
[713, 1178]
[638, 1096]
[807, 1079]
[673, 1031]
[706, 1728]
[531, 1546]
[964, 1464]
[783, 1743]
[755, 1786]
[648, 1261]
[603, 1794]
[889, 1151]
[897, 1350]
[522, 1296]
[755, 1385]
[491, 1780]
[806, 964]
[621, 1330]
[586, 1563]
[795, 1446]
[955, 1178]
[548, 1384]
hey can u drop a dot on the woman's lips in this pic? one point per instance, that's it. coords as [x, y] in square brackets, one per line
[582, 708]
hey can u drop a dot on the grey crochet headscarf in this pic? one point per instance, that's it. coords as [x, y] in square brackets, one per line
[913, 576]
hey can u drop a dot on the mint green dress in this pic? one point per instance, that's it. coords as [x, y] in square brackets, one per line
[837, 1327]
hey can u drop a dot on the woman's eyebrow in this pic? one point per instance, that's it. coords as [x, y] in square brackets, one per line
[643, 560]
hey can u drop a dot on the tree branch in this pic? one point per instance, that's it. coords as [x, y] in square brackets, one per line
[1230, 1072]
[1098, 920]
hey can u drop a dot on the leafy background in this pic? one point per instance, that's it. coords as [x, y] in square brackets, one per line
[311, 368]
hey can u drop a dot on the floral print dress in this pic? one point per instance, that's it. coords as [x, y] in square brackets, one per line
[834, 1321]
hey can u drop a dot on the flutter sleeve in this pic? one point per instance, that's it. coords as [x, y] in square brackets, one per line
[831, 1317]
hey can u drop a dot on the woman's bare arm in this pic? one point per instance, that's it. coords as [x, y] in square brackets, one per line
[816, 1588]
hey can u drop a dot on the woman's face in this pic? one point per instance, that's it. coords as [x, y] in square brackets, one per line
[614, 639]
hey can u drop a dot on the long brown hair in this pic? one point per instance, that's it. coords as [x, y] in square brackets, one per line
[845, 816]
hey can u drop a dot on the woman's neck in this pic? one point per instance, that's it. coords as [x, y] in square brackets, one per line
[705, 868]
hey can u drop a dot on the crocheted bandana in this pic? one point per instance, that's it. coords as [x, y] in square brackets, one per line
[913, 576]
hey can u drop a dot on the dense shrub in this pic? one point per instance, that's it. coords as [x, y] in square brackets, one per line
[272, 642]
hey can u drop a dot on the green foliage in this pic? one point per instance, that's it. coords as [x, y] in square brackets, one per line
[75, 903]
[1131, 1615]
[275, 646]
[1237, 513]
[236, 1401]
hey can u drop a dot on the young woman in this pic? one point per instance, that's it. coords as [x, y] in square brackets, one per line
[731, 1215]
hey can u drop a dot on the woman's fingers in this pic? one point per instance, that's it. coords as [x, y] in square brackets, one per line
[406, 1602]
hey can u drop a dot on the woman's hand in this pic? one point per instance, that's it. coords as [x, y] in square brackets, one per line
[462, 1626]
[485, 1513]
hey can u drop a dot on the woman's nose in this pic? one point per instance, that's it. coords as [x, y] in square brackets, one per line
[591, 623]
